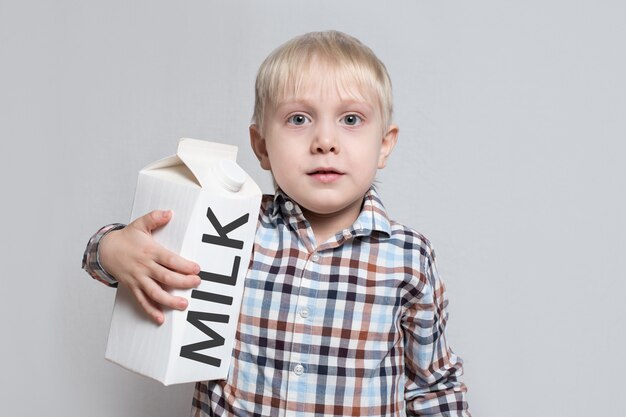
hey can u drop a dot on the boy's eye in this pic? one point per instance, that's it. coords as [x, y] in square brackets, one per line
[298, 119]
[352, 120]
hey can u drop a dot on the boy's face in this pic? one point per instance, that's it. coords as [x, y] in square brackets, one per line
[323, 147]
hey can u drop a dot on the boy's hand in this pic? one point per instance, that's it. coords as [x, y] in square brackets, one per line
[133, 257]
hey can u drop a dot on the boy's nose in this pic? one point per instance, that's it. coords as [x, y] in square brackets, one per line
[325, 141]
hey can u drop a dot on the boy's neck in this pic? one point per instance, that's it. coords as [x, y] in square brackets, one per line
[326, 225]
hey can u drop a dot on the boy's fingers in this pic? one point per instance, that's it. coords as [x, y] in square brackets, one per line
[148, 306]
[157, 294]
[172, 279]
[152, 220]
[177, 263]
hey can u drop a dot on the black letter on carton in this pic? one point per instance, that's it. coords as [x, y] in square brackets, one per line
[191, 351]
[222, 231]
[213, 298]
[223, 279]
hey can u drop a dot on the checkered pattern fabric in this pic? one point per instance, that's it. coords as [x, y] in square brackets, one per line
[91, 261]
[354, 326]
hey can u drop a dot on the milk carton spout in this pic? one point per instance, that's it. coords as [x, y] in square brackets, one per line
[230, 175]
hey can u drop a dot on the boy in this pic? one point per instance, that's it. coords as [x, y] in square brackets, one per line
[343, 311]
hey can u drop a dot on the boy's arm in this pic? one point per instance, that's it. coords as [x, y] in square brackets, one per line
[131, 256]
[431, 368]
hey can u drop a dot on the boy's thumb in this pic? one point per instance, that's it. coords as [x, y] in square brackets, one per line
[154, 219]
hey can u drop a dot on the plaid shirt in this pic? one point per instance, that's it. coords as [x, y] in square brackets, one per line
[354, 326]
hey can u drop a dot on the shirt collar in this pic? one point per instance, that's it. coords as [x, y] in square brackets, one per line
[372, 218]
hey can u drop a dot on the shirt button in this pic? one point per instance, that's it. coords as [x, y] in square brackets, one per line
[298, 369]
[347, 233]
[304, 312]
[289, 205]
[315, 257]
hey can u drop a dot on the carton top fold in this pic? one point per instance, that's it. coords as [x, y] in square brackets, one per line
[200, 157]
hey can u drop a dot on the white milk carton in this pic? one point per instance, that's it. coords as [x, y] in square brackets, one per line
[215, 208]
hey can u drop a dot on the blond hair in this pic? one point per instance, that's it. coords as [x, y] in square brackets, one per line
[347, 59]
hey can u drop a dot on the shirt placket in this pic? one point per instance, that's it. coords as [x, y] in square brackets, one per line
[301, 385]
[301, 381]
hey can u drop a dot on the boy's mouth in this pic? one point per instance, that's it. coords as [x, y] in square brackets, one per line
[324, 171]
[325, 175]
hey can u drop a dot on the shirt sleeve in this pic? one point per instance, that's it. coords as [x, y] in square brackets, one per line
[91, 259]
[432, 369]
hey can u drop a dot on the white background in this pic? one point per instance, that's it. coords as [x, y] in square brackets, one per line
[513, 122]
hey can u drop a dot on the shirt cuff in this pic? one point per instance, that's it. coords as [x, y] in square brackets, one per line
[91, 258]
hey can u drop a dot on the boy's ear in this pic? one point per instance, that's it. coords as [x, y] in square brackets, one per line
[257, 141]
[388, 142]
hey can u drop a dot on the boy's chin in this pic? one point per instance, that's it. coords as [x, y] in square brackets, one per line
[329, 209]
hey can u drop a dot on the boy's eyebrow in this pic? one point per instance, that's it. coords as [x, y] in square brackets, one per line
[312, 103]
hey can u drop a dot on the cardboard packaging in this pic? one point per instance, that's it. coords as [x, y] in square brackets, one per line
[215, 208]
